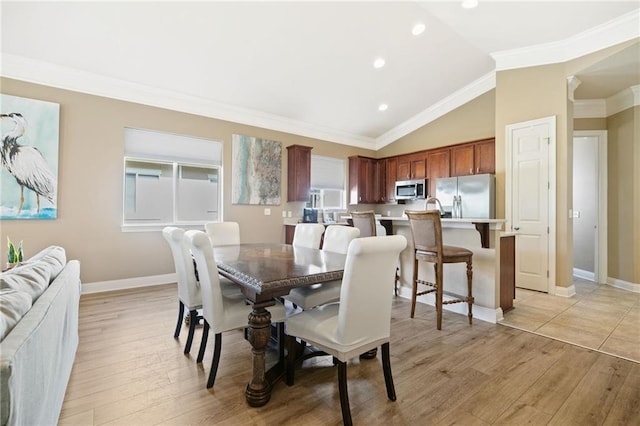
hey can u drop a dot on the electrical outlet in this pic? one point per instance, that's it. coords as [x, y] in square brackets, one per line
[289, 213]
[267, 212]
[284, 213]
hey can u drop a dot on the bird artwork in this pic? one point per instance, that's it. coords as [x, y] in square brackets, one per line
[26, 163]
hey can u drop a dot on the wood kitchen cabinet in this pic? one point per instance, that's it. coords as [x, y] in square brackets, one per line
[391, 168]
[473, 158]
[438, 165]
[412, 166]
[363, 177]
[298, 172]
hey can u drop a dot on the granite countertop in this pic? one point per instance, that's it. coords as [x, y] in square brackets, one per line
[448, 220]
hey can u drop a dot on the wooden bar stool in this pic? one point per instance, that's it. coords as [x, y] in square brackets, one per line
[427, 239]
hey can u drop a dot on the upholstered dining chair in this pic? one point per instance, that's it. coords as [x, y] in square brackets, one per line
[362, 319]
[336, 239]
[223, 233]
[188, 287]
[308, 235]
[189, 295]
[221, 312]
[426, 229]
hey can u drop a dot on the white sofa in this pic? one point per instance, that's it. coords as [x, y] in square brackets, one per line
[38, 336]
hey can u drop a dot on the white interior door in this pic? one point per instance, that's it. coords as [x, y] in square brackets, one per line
[528, 199]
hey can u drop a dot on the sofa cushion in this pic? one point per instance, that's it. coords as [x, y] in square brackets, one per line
[35, 275]
[13, 305]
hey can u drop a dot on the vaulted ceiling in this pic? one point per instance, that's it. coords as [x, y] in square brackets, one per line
[307, 67]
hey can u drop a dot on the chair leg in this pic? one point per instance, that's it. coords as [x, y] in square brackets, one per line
[193, 321]
[469, 291]
[415, 288]
[344, 395]
[290, 362]
[216, 360]
[439, 294]
[280, 328]
[180, 315]
[386, 368]
[203, 342]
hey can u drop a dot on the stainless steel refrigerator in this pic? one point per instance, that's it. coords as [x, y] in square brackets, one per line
[470, 196]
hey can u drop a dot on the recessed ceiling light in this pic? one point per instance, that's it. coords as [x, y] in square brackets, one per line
[418, 29]
[469, 4]
[379, 63]
[383, 107]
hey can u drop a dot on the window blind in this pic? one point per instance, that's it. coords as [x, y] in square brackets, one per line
[327, 173]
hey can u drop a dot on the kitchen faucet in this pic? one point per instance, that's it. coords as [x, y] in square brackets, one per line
[436, 202]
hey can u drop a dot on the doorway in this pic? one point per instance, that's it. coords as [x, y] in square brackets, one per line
[590, 205]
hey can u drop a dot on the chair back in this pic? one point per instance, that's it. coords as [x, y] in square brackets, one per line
[212, 304]
[365, 222]
[338, 237]
[364, 314]
[188, 287]
[223, 233]
[308, 235]
[426, 230]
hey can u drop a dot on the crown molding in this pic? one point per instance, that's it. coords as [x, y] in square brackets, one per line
[616, 31]
[603, 108]
[589, 108]
[457, 99]
[39, 72]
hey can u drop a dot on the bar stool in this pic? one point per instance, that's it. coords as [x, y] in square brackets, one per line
[427, 239]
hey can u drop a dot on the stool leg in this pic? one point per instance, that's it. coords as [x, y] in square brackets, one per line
[469, 282]
[415, 288]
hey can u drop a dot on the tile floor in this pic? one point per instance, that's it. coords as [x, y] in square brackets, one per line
[598, 317]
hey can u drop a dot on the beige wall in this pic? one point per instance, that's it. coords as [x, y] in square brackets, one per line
[528, 94]
[589, 123]
[471, 121]
[90, 183]
[623, 192]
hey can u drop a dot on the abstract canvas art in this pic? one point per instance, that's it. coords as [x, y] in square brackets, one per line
[256, 171]
[29, 156]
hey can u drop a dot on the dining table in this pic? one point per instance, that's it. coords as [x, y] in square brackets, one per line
[264, 272]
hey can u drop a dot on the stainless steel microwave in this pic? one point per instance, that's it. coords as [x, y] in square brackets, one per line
[411, 189]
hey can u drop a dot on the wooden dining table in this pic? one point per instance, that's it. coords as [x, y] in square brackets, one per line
[265, 271]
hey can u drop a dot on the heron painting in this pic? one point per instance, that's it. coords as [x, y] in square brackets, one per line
[29, 157]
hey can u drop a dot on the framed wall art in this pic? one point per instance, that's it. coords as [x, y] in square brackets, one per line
[29, 157]
[256, 171]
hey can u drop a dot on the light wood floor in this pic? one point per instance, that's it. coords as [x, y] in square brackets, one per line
[130, 371]
[598, 317]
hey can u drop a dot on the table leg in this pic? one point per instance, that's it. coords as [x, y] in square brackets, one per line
[258, 390]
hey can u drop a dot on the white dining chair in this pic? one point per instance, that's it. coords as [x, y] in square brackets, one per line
[308, 235]
[336, 239]
[362, 319]
[188, 287]
[221, 312]
[223, 233]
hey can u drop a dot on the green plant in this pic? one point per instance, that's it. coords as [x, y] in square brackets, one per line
[15, 253]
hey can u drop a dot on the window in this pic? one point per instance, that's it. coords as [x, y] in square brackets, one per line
[327, 183]
[170, 179]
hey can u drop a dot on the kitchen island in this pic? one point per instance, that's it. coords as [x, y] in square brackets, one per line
[483, 237]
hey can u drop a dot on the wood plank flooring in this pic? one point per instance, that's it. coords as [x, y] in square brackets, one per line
[130, 371]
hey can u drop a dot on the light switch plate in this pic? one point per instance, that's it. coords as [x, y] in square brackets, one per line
[267, 212]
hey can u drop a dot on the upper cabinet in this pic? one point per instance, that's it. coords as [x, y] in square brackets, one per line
[473, 158]
[363, 180]
[391, 168]
[412, 166]
[438, 164]
[298, 172]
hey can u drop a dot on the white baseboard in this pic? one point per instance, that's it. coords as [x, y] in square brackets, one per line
[127, 283]
[566, 291]
[624, 285]
[482, 313]
[585, 275]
